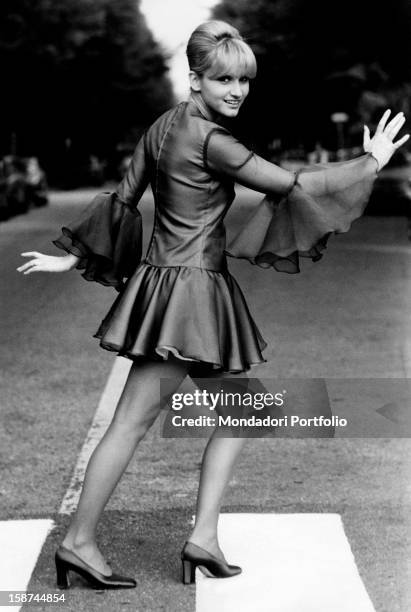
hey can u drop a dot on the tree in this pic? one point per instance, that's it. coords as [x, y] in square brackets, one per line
[81, 75]
[315, 58]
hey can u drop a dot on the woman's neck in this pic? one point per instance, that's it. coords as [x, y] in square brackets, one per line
[204, 109]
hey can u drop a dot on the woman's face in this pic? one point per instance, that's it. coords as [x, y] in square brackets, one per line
[223, 94]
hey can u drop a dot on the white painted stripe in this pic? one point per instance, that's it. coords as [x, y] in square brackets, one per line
[20, 543]
[291, 563]
[101, 420]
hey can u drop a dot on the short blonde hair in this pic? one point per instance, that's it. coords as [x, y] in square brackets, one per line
[219, 47]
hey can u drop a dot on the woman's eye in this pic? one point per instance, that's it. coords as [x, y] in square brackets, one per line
[227, 79]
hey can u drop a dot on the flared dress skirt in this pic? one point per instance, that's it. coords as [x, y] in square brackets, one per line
[194, 313]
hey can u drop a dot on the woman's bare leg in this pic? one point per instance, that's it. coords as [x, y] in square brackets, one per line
[137, 409]
[219, 459]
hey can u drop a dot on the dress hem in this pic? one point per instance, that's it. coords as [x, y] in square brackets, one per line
[157, 356]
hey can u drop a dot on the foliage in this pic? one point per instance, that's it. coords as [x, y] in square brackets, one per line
[316, 58]
[82, 76]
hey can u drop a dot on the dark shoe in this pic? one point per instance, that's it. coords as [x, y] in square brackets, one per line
[67, 560]
[193, 556]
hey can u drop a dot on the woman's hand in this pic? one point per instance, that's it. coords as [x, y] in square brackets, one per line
[381, 145]
[47, 263]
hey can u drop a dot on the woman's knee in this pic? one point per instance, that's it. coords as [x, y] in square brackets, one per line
[136, 419]
[142, 398]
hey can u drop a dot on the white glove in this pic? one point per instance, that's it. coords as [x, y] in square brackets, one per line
[381, 145]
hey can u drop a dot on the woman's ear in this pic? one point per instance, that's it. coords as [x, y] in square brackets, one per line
[195, 80]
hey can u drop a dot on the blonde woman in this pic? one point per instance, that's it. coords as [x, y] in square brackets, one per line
[180, 312]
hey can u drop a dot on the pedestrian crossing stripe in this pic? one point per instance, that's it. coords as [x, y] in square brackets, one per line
[290, 562]
[21, 542]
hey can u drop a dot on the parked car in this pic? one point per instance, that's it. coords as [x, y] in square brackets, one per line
[22, 185]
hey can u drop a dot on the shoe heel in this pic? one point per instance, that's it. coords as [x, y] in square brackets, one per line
[189, 572]
[62, 570]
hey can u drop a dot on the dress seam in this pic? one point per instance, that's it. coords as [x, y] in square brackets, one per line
[207, 214]
[155, 195]
[205, 224]
[160, 149]
[144, 261]
[206, 143]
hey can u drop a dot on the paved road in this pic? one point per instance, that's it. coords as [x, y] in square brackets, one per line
[345, 317]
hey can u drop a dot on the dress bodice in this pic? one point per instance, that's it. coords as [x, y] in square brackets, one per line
[190, 201]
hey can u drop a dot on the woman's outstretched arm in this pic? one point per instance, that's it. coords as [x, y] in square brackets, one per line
[302, 210]
[227, 156]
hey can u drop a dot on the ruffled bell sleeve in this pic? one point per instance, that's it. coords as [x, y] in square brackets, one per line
[107, 236]
[300, 211]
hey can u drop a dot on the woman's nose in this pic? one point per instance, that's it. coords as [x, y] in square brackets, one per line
[235, 89]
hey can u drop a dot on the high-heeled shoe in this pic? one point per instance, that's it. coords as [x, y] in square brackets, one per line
[193, 556]
[66, 560]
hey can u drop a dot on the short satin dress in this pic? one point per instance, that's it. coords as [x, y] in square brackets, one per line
[181, 298]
